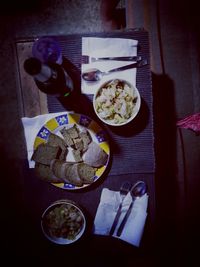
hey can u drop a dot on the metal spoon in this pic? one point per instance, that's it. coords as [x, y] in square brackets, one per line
[94, 75]
[138, 190]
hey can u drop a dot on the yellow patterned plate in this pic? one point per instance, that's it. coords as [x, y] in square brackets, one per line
[98, 135]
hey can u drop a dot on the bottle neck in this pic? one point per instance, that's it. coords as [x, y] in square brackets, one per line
[50, 78]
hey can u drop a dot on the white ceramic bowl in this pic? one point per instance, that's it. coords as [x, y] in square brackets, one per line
[63, 222]
[117, 102]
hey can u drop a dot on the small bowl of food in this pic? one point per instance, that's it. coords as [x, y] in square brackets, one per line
[63, 222]
[117, 102]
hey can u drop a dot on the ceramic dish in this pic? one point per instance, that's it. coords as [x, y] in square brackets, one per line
[117, 102]
[97, 134]
[63, 222]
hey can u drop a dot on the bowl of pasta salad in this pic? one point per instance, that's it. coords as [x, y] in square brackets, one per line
[117, 102]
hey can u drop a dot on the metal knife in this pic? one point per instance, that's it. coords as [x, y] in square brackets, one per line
[132, 58]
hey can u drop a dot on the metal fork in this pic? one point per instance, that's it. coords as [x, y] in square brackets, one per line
[124, 189]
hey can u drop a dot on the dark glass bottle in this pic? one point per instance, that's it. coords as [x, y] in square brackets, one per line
[50, 78]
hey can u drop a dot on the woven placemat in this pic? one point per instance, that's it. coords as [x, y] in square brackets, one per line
[132, 146]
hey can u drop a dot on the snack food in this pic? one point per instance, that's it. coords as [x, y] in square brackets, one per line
[95, 156]
[45, 153]
[53, 155]
[46, 174]
[86, 172]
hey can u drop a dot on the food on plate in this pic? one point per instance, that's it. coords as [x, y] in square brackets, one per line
[95, 156]
[76, 138]
[53, 162]
[58, 168]
[63, 221]
[63, 154]
[46, 174]
[85, 136]
[73, 131]
[115, 101]
[78, 144]
[72, 175]
[67, 138]
[77, 155]
[55, 140]
[45, 153]
[86, 172]
[70, 134]
[75, 173]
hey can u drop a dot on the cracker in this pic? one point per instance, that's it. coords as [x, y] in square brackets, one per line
[44, 153]
[45, 173]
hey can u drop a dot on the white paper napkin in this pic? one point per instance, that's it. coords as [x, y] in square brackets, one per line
[107, 47]
[107, 210]
[31, 128]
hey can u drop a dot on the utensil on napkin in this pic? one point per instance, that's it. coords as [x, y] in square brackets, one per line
[138, 190]
[94, 75]
[107, 47]
[106, 212]
[134, 58]
[124, 189]
[31, 128]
